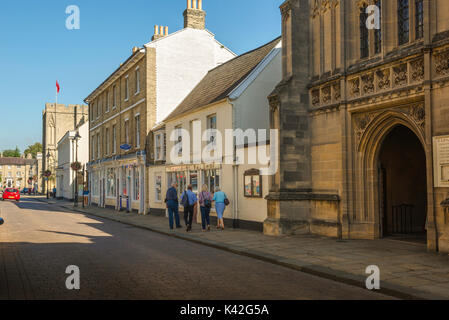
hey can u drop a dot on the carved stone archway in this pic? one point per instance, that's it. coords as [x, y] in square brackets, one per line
[369, 141]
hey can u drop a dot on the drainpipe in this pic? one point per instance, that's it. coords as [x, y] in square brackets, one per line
[235, 169]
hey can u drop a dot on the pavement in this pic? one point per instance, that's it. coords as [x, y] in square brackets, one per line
[116, 261]
[407, 270]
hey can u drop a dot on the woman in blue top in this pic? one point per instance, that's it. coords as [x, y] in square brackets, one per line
[219, 199]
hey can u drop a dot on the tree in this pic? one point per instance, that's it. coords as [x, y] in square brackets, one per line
[12, 153]
[33, 150]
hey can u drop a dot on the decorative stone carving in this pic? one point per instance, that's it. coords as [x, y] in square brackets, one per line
[418, 114]
[383, 79]
[337, 91]
[368, 83]
[315, 97]
[400, 75]
[362, 122]
[285, 10]
[354, 87]
[326, 94]
[442, 63]
[322, 6]
[274, 102]
[417, 70]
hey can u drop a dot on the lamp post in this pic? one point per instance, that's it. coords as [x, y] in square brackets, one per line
[76, 138]
[48, 164]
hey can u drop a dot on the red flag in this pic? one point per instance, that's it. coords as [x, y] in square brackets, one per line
[57, 86]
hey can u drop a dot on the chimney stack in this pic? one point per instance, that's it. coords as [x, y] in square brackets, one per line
[159, 32]
[194, 15]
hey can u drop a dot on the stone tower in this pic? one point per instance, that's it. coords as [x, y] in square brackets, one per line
[194, 15]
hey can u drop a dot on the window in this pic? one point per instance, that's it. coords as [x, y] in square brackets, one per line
[19, 174]
[95, 183]
[107, 101]
[114, 97]
[378, 32]
[93, 147]
[114, 139]
[212, 179]
[107, 141]
[212, 134]
[194, 180]
[158, 187]
[403, 21]
[137, 80]
[137, 128]
[110, 183]
[419, 17]
[364, 34]
[98, 146]
[126, 88]
[126, 131]
[159, 146]
[178, 144]
[136, 175]
[253, 184]
[179, 177]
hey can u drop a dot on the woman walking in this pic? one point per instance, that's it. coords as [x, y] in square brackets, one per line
[205, 205]
[220, 206]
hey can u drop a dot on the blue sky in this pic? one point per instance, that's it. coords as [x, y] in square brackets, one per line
[36, 49]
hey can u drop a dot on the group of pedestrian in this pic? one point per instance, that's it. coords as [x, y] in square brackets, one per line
[190, 200]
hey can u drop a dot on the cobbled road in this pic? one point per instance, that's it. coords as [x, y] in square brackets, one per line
[39, 241]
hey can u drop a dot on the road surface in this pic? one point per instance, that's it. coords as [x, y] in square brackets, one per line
[39, 241]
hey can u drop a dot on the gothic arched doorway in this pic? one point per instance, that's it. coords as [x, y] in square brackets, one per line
[402, 185]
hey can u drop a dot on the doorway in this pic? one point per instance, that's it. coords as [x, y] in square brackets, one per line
[403, 186]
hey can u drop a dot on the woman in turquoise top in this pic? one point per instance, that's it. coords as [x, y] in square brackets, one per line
[219, 199]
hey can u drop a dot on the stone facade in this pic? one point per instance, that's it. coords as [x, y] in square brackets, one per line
[350, 99]
[56, 121]
[19, 173]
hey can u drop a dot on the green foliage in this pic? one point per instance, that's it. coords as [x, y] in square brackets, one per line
[12, 153]
[34, 149]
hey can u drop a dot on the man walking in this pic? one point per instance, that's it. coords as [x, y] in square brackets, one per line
[189, 200]
[172, 203]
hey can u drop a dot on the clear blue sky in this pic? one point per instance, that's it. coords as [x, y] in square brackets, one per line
[36, 49]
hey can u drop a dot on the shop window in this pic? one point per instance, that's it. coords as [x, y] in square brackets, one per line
[194, 180]
[110, 183]
[212, 179]
[136, 193]
[253, 184]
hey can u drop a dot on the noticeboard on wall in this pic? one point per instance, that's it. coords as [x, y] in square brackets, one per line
[441, 161]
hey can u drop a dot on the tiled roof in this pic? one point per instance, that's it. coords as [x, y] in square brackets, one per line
[219, 82]
[17, 161]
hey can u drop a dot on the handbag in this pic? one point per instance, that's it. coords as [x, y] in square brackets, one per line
[207, 202]
[226, 202]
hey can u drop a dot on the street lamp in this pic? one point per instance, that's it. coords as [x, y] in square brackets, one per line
[76, 169]
[48, 164]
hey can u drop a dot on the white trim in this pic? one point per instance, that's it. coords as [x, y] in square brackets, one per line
[237, 92]
[117, 114]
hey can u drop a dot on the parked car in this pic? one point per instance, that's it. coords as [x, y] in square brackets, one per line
[11, 194]
[25, 190]
[1, 221]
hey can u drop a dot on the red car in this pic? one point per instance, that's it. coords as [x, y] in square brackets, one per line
[11, 194]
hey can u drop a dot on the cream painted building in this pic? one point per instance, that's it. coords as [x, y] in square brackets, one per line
[70, 151]
[230, 97]
[136, 97]
[363, 121]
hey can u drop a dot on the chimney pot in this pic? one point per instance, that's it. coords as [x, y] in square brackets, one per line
[156, 30]
[166, 31]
